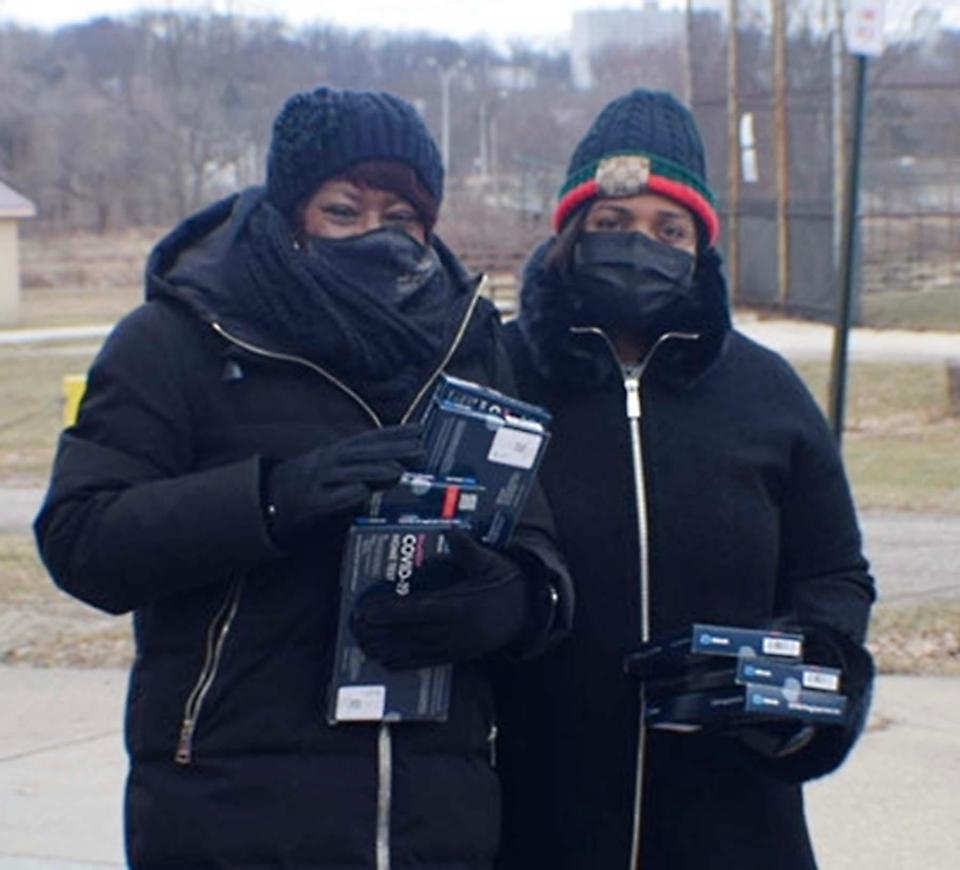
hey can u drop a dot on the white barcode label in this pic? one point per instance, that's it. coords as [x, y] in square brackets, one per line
[468, 501]
[361, 703]
[781, 646]
[819, 680]
[515, 448]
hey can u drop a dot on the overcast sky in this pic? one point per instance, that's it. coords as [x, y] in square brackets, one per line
[498, 19]
[536, 20]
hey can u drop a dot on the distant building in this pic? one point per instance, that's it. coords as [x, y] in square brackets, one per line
[598, 29]
[13, 209]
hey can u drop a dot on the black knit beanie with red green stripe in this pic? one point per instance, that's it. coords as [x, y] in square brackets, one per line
[644, 141]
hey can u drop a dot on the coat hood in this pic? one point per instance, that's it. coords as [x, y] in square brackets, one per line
[561, 355]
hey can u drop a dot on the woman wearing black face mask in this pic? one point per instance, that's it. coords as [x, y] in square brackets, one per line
[692, 479]
[233, 426]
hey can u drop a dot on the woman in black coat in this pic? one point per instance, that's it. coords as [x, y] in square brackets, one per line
[232, 427]
[692, 479]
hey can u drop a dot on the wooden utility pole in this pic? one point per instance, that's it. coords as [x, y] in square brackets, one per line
[733, 164]
[782, 143]
[839, 126]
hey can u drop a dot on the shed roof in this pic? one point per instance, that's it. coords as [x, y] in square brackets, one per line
[13, 205]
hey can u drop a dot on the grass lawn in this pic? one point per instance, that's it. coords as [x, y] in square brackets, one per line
[918, 638]
[901, 447]
[935, 308]
[31, 381]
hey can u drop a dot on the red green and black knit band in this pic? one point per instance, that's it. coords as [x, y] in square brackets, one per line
[665, 178]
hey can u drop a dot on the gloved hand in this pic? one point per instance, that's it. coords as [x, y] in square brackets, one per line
[778, 741]
[461, 606]
[775, 739]
[337, 479]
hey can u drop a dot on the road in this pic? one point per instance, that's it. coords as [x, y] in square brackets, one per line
[796, 339]
[914, 556]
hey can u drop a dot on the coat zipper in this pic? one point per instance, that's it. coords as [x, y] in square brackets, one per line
[217, 633]
[633, 378]
[634, 412]
[384, 795]
[384, 737]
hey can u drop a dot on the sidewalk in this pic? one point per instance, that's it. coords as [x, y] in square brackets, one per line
[800, 339]
[893, 806]
[796, 339]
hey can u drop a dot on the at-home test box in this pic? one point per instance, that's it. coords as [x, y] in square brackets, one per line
[483, 449]
[692, 683]
[693, 711]
[362, 689]
[425, 495]
[477, 433]
[680, 651]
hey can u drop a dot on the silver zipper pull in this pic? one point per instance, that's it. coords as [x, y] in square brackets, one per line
[184, 746]
[492, 744]
[631, 383]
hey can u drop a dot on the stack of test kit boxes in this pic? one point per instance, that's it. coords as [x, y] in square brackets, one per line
[483, 449]
[716, 676]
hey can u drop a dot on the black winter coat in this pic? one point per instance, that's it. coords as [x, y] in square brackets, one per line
[155, 507]
[747, 519]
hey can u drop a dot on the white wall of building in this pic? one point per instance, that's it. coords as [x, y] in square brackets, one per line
[9, 273]
[597, 29]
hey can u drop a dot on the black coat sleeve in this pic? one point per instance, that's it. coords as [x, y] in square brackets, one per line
[127, 519]
[825, 589]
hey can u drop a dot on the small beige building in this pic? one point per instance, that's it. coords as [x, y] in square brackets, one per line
[13, 209]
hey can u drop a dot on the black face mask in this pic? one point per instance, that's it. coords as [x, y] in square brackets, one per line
[385, 261]
[628, 282]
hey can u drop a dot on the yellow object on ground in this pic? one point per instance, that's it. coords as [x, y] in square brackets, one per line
[73, 390]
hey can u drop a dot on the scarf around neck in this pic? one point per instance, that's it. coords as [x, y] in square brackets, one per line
[307, 304]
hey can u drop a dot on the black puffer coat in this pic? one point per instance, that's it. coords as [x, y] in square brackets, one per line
[155, 507]
[747, 519]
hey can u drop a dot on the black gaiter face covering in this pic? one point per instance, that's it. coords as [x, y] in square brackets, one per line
[386, 262]
[628, 282]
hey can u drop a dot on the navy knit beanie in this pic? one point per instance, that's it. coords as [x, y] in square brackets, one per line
[642, 141]
[319, 134]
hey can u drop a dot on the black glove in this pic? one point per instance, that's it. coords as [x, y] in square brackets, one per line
[462, 605]
[301, 492]
[825, 746]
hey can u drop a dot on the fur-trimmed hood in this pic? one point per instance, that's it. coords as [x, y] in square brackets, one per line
[547, 314]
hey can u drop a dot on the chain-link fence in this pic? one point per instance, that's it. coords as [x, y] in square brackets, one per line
[774, 106]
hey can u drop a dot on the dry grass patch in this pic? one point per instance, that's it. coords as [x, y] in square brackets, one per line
[917, 638]
[31, 382]
[41, 626]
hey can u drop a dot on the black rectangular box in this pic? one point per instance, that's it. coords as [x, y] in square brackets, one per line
[426, 496]
[763, 671]
[484, 400]
[726, 707]
[361, 689]
[682, 651]
[501, 454]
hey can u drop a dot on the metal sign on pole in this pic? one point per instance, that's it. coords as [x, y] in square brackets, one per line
[864, 36]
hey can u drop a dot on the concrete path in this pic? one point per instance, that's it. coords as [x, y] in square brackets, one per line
[793, 338]
[798, 339]
[18, 507]
[893, 806]
[913, 556]
[53, 334]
